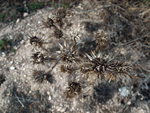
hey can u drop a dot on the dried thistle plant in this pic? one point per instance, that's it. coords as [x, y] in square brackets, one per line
[38, 58]
[61, 13]
[49, 23]
[68, 68]
[119, 68]
[102, 67]
[95, 64]
[67, 53]
[58, 33]
[35, 41]
[101, 41]
[73, 89]
[59, 21]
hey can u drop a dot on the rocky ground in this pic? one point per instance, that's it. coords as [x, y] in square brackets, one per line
[90, 58]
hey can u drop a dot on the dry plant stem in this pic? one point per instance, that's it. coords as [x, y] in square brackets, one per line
[119, 45]
[143, 68]
[19, 100]
[133, 41]
[54, 65]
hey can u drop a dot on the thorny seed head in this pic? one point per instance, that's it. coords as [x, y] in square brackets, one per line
[58, 20]
[114, 70]
[73, 89]
[101, 40]
[35, 41]
[67, 52]
[38, 57]
[61, 13]
[101, 66]
[69, 69]
[58, 33]
[95, 64]
[49, 23]
[120, 68]
[101, 36]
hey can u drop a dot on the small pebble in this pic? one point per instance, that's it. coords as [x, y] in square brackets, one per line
[3, 54]
[15, 47]
[22, 42]
[12, 67]
[17, 20]
[25, 14]
[129, 103]
[39, 22]
[124, 91]
[11, 62]
[48, 93]
[123, 51]
[49, 98]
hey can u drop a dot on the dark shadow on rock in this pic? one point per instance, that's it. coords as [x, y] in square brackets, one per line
[50, 79]
[87, 46]
[104, 92]
[91, 26]
[2, 79]
[145, 91]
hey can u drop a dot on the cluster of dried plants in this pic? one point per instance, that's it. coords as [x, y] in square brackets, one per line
[120, 29]
[56, 23]
[87, 64]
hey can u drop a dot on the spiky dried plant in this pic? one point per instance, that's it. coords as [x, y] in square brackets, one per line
[59, 21]
[68, 68]
[67, 52]
[101, 41]
[35, 41]
[73, 89]
[58, 33]
[95, 64]
[49, 23]
[102, 67]
[116, 69]
[61, 13]
[38, 58]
